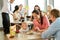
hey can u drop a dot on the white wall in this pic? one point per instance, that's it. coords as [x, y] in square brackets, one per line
[57, 4]
[1, 20]
[1, 2]
[32, 3]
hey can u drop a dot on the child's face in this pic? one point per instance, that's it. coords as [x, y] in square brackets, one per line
[24, 25]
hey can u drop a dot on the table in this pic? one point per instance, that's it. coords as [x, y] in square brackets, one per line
[24, 36]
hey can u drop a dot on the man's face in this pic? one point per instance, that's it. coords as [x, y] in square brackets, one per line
[20, 7]
[52, 17]
[11, 1]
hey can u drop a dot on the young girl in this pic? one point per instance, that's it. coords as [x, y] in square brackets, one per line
[16, 14]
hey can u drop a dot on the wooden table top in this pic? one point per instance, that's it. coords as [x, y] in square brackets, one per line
[24, 36]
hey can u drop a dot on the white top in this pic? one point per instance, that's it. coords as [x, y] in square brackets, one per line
[12, 7]
[16, 16]
[6, 7]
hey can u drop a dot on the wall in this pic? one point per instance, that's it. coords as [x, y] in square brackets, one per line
[32, 3]
[1, 2]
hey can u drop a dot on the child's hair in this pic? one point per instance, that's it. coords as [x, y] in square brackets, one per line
[16, 8]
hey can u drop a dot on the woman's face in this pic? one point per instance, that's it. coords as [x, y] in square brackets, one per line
[52, 17]
[35, 15]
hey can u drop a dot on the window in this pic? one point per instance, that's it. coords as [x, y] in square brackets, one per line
[18, 2]
[56, 4]
[32, 3]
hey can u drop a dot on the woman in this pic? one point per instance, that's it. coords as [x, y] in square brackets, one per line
[16, 14]
[54, 28]
[40, 22]
[36, 7]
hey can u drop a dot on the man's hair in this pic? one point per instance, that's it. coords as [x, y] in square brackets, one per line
[55, 12]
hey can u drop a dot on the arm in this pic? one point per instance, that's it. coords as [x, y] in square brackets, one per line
[51, 30]
[36, 24]
[14, 16]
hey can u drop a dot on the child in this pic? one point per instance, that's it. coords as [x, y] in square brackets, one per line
[24, 27]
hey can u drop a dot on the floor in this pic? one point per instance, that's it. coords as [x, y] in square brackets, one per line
[2, 36]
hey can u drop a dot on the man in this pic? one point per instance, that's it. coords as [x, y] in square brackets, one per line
[54, 28]
[11, 7]
[5, 17]
[23, 11]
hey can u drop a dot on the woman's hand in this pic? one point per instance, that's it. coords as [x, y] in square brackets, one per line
[42, 30]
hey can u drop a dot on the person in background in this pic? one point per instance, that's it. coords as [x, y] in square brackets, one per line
[16, 15]
[54, 28]
[23, 11]
[40, 22]
[36, 7]
[49, 8]
[5, 17]
[10, 6]
[24, 27]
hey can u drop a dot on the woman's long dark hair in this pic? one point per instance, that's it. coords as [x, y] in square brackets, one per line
[38, 11]
[41, 17]
[16, 8]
